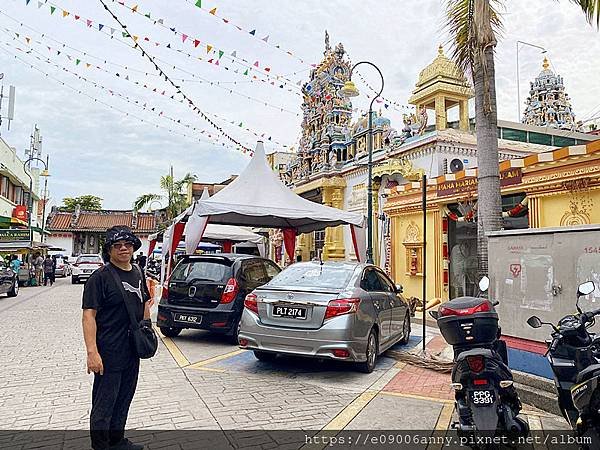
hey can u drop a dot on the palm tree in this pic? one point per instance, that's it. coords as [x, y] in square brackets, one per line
[474, 26]
[174, 193]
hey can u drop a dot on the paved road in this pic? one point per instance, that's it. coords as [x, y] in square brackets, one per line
[198, 381]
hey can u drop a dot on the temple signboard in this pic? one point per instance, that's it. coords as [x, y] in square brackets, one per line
[469, 184]
[12, 235]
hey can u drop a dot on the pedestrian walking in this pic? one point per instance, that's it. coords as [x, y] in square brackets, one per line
[15, 264]
[48, 271]
[53, 269]
[38, 263]
[141, 261]
[111, 354]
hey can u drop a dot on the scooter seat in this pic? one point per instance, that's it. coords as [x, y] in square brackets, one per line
[587, 373]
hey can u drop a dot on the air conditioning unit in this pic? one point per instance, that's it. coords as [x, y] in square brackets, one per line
[456, 165]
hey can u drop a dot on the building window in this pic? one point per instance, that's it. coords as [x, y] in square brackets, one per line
[561, 141]
[539, 138]
[514, 135]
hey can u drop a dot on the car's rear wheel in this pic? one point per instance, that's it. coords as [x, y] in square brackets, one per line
[74, 280]
[232, 337]
[405, 330]
[264, 356]
[170, 331]
[371, 354]
[14, 290]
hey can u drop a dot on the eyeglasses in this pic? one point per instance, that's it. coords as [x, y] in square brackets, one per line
[118, 245]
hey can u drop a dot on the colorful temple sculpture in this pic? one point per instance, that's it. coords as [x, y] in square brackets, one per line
[330, 167]
[548, 105]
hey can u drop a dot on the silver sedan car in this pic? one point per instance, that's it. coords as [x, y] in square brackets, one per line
[336, 310]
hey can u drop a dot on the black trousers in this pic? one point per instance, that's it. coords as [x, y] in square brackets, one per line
[111, 396]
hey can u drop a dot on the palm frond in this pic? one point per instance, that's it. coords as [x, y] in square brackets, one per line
[591, 9]
[145, 200]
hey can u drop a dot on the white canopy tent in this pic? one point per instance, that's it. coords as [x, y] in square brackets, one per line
[258, 198]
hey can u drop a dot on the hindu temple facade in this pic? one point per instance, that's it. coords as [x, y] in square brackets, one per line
[548, 105]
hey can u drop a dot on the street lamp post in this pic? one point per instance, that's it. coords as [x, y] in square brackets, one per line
[30, 205]
[518, 78]
[349, 90]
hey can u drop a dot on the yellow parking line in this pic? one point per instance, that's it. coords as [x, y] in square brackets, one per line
[340, 421]
[445, 417]
[206, 362]
[419, 397]
[177, 355]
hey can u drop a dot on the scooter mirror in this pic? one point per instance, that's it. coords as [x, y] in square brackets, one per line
[534, 322]
[434, 314]
[586, 288]
[484, 284]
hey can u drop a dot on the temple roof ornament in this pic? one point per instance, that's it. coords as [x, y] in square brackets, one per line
[548, 105]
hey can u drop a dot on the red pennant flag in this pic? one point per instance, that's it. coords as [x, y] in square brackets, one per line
[256, 64]
[225, 20]
[196, 42]
[77, 17]
[267, 69]
[89, 22]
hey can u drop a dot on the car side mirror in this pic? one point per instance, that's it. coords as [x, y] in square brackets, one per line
[434, 314]
[534, 322]
[399, 289]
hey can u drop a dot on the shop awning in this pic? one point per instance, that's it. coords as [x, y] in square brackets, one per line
[22, 246]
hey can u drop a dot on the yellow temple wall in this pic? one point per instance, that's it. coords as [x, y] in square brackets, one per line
[413, 284]
[565, 208]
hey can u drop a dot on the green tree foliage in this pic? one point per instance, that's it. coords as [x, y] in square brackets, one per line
[174, 195]
[85, 202]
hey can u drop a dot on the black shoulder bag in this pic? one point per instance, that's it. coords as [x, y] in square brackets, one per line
[143, 336]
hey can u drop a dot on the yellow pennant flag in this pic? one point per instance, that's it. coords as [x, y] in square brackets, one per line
[65, 13]
[135, 38]
[134, 9]
[208, 48]
[213, 11]
[28, 39]
[88, 65]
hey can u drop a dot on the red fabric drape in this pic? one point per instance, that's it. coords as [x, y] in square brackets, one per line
[151, 247]
[289, 240]
[177, 233]
[227, 246]
[354, 242]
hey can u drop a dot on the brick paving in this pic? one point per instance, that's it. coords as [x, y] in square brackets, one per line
[415, 380]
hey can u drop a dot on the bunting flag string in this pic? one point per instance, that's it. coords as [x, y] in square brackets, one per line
[277, 80]
[266, 71]
[190, 102]
[264, 39]
[108, 105]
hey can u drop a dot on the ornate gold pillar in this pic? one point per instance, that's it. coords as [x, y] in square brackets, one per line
[441, 122]
[333, 195]
[463, 107]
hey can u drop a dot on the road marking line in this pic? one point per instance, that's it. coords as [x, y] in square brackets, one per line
[177, 354]
[443, 422]
[418, 397]
[210, 369]
[340, 421]
[206, 362]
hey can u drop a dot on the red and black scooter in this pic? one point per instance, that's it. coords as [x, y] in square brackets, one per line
[486, 401]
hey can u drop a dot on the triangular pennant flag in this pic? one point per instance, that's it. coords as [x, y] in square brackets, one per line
[210, 60]
[236, 71]
[161, 21]
[253, 32]
[199, 3]
[173, 30]
[246, 72]
[386, 106]
[168, 45]
[89, 22]
[196, 42]
[100, 26]
[52, 9]
[87, 65]
[184, 37]
[266, 38]
[65, 13]
[225, 20]
[135, 38]
[208, 48]
[213, 11]
[27, 2]
[234, 53]
[40, 4]
[267, 69]
[57, 52]
[217, 63]
[77, 17]
[221, 53]
[240, 124]
[147, 15]
[134, 9]
[256, 64]
[77, 61]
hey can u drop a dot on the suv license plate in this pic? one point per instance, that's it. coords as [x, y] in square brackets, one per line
[292, 312]
[188, 318]
[482, 398]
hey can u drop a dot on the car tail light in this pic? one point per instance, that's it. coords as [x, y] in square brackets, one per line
[480, 382]
[341, 306]
[340, 353]
[219, 324]
[230, 292]
[484, 306]
[251, 303]
[475, 363]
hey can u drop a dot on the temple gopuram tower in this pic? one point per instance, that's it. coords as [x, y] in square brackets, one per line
[548, 105]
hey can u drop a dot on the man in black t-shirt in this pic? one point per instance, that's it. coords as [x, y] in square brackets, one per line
[110, 353]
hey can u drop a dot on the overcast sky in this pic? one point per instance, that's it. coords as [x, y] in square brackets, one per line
[109, 152]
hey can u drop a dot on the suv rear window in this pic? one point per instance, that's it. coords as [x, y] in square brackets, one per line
[201, 270]
[313, 276]
[89, 259]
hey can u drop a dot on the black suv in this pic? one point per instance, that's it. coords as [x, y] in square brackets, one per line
[207, 292]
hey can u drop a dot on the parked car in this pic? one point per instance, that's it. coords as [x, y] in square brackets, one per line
[63, 268]
[84, 266]
[207, 292]
[333, 310]
[9, 282]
